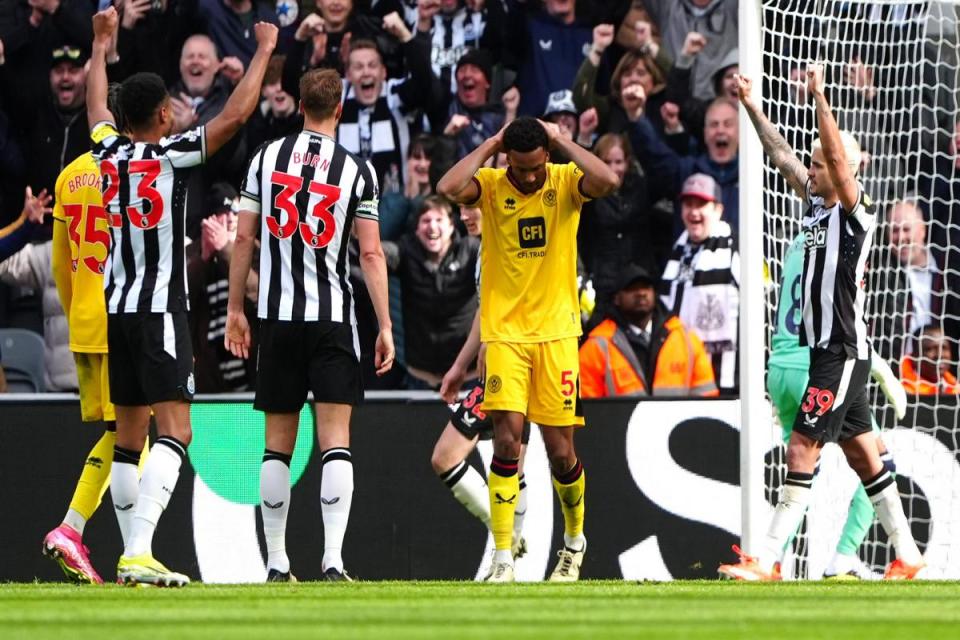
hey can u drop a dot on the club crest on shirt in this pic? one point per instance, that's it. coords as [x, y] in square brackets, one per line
[550, 198]
[710, 314]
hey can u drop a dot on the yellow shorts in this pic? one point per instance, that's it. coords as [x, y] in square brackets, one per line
[540, 380]
[94, 382]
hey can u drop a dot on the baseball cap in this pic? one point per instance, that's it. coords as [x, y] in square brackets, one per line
[478, 58]
[702, 186]
[560, 102]
[634, 273]
[69, 53]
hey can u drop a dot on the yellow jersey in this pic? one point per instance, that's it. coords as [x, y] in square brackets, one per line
[79, 205]
[528, 257]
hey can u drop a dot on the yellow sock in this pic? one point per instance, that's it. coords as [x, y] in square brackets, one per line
[504, 484]
[570, 487]
[95, 477]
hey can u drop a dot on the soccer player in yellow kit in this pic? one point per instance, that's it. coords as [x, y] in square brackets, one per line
[80, 242]
[530, 314]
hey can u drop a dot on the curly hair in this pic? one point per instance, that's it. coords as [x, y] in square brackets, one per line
[113, 104]
[140, 96]
[525, 134]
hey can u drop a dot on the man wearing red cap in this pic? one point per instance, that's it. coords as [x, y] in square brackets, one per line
[701, 282]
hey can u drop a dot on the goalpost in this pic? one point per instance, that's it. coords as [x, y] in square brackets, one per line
[892, 77]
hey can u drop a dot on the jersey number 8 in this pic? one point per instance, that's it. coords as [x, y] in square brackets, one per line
[329, 195]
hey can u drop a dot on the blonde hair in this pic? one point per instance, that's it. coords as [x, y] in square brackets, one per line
[851, 149]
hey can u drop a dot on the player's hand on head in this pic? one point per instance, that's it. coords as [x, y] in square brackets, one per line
[105, 24]
[553, 131]
[236, 337]
[383, 352]
[815, 78]
[266, 35]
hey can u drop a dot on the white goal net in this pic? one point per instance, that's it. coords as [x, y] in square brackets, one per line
[892, 77]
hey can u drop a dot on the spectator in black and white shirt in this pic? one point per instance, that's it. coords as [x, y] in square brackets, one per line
[374, 124]
[701, 282]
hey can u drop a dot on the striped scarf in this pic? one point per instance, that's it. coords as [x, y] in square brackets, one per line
[701, 285]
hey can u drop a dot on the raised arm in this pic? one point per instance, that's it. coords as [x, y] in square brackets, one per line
[844, 180]
[458, 184]
[775, 146]
[246, 95]
[599, 180]
[104, 27]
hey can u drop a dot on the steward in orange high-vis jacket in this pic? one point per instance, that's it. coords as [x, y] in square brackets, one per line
[641, 350]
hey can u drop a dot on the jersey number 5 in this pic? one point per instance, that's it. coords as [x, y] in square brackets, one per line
[329, 195]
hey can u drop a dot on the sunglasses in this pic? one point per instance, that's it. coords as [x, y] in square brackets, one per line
[66, 52]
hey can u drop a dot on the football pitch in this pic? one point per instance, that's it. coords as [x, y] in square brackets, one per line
[397, 610]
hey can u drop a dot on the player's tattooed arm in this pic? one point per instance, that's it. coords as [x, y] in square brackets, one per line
[781, 154]
[842, 176]
[104, 28]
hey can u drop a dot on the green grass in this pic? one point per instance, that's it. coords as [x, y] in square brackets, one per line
[454, 610]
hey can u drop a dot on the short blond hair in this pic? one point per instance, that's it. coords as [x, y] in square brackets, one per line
[851, 149]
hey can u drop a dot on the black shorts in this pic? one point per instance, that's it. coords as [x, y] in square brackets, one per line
[467, 418]
[151, 358]
[835, 406]
[296, 357]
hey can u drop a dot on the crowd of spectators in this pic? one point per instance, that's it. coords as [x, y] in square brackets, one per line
[643, 83]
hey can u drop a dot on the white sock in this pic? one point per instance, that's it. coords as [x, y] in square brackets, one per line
[576, 543]
[470, 490]
[521, 509]
[842, 564]
[274, 505]
[503, 555]
[75, 521]
[160, 476]
[883, 493]
[336, 495]
[793, 505]
[124, 488]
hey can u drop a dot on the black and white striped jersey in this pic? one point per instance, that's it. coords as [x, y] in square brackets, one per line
[307, 189]
[145, 197]
[450, 37]
[836, 246]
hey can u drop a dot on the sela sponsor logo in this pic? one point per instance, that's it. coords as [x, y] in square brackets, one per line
[815, 237]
